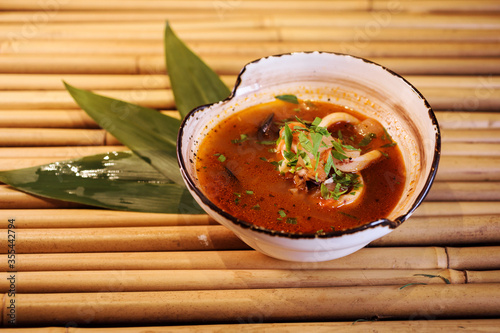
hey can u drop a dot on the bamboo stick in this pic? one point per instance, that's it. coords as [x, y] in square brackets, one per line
[470, 149]
[96, 218]
[468, 120]
[277, 34]
[249, 5]
[441, 6]
[229, 64]
[60, 153]
[258, 6]
[105, 82]
[367, 258]
[449, 230]
[482, 276]
[161, 81]
[171, 238]
[305, 304]
[164, 280]
[76, 64]
[473, 258]
[465, 168]
[158, 99]
[422, 326]
[293, 22]
[19, 137]
[199, 20]
[46, 119]
[471, 135]
[462, 99]
[11, 198]
[464, 190]
[364, 47]
[417, 231]
[457, 208]
[53, 118]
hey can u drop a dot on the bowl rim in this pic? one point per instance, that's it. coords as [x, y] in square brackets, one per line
[392, 224]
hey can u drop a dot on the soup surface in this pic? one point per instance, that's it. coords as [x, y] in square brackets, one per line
[301, 167]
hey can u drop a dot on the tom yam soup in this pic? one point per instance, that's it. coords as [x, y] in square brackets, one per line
[301, 166]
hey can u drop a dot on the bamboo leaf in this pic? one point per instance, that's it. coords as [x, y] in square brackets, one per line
[147, 132]
[193, 82]
[116, 180]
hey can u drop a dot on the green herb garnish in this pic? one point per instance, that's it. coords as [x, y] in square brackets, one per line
[434, 276]
[349, 215]
[243, 138]
[367, 139]
[288, 98]
[266, 143]
[412, 284]
[291, 220]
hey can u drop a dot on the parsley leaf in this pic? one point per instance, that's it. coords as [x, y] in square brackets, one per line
[367, 139]
[288, 98]
[243, 138]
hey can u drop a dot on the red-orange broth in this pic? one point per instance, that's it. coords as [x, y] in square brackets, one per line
[236, 173]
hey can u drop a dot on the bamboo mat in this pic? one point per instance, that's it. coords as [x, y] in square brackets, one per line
[82, 269]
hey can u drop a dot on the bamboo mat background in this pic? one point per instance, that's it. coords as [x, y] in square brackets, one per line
[79, 267]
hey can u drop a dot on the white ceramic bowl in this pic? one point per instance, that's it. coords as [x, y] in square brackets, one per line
[344, 80]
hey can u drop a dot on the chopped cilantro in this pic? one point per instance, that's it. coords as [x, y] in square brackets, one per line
[310, 104]
[367, 139]
[320, 231]
[349, 215]
[316, 122]
[288, 98]
[266, 143]
[249, 192]
[221, 158]
[329, 164]
[282, 213]
[388, 145]
[386, 136]
[384, 153]
[288, 138]
[256, 207]
[291, 220]
[243, 138]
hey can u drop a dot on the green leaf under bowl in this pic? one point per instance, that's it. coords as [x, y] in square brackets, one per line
[148, 179]
[115, 180]
[193, 82]
[147, 132]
